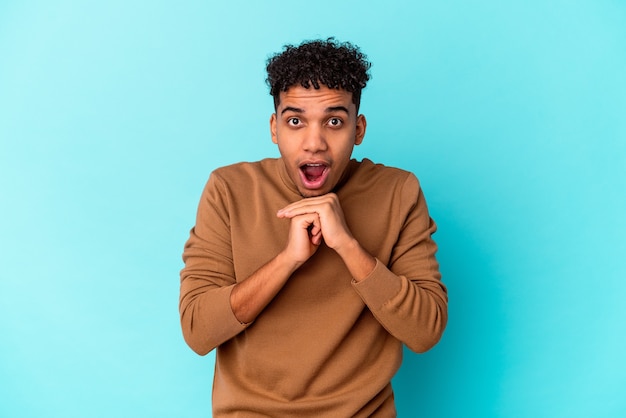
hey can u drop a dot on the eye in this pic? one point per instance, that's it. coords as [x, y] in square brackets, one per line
[293, 122]
[335, 122]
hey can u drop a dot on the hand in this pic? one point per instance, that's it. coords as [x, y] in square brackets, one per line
[305, 236]
[326, 218]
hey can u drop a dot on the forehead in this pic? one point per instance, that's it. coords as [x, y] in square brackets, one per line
[303, 98]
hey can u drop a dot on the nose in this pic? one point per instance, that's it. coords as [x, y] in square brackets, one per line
[314, 140]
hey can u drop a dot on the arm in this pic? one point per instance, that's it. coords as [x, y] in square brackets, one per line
[208, 276]
[214, 305]
[407, 297]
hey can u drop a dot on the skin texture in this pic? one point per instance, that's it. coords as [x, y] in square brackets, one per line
[319, 127]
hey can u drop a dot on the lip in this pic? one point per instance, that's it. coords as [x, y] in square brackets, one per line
[319, 182]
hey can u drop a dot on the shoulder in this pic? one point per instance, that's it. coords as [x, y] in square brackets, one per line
[243, 182]
[380, 187]
[234, 172]
[370, 175]
[242, 175]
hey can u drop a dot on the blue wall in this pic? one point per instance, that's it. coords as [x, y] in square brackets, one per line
[512, 114]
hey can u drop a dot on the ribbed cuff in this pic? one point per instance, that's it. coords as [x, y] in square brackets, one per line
[379, 287]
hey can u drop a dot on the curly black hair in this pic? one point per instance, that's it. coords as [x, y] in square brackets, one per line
[337, 65]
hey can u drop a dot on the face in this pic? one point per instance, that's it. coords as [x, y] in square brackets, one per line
[316, 130]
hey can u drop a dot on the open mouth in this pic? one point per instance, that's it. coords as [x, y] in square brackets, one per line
[313, 175]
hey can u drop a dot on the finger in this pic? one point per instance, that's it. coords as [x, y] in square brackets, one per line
[308, 221]
[315, 232]
[315, 227]
[316, 239]
[303, 209]
[308, 205]
[291, 211]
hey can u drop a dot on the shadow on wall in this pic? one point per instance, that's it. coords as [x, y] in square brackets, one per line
[466, 366]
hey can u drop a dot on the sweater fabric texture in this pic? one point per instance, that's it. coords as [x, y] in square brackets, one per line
[326, 345]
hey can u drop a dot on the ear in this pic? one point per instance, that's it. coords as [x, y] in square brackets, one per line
[273, 128]
[361, 125]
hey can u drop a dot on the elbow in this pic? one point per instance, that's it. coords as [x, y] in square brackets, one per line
[208, 321]
[425, 342]
[197, 338]
[427, 336]
[199, 347]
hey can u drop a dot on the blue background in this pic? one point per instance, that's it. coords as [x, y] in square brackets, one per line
[512, 114]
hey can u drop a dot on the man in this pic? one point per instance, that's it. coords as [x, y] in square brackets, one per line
[308, 272]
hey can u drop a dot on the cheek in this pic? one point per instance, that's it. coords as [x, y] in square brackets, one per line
[346, 150]
[287, 152]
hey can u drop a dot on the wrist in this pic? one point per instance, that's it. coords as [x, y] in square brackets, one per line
[288, 263]
[360, 263]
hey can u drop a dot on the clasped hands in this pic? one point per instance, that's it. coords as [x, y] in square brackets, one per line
[314, 219]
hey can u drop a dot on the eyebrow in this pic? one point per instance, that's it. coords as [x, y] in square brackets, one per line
[337, 109]
[331, 109]
[292, 109]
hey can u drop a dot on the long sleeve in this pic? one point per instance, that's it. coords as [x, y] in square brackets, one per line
[351, 340]
[407, 297]
[208, 277]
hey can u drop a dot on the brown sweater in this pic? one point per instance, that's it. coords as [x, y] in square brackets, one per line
[326, 346]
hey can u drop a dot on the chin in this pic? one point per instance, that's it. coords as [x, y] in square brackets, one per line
[312, 192]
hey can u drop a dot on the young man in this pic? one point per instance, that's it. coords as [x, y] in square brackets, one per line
[308, 272]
